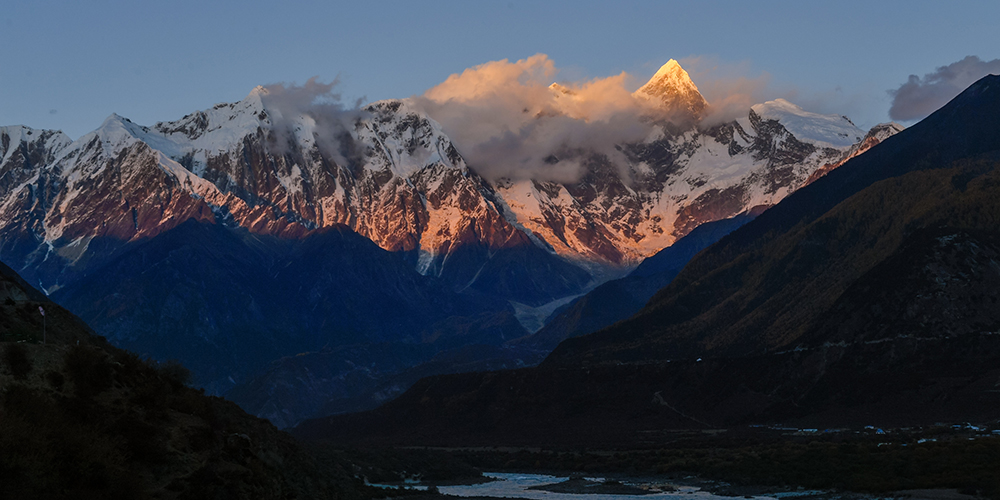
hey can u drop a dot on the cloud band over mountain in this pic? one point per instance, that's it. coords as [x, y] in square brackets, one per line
[919, 97]
[318, 101]
[509, 122]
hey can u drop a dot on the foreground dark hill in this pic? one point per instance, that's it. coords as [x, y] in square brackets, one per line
[868, 297]
[82, 419]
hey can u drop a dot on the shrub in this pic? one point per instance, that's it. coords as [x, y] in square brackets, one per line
[56, 379]
[143, 441]
[21, 400]
[90, 371]
[175, 373]
[130, 370]
[15, 356]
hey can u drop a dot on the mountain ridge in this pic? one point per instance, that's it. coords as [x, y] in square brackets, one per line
[393, 176]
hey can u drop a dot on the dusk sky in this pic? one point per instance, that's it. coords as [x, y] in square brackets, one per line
[68, 65]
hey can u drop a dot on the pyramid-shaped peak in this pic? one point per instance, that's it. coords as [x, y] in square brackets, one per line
[671, 69]
[672, 89]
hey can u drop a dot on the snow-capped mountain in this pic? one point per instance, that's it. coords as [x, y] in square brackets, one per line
[403, 185]
[392, 175]
[226, 238]
[27, 188]
[877, 134]
[672, 90]
[678, 180]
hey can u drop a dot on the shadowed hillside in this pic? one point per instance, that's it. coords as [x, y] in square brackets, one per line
[82, 419]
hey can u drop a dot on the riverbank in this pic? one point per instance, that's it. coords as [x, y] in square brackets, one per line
[942, 462]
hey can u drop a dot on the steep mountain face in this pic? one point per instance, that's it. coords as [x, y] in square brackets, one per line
[619, 299]
[941, 288]
[24, 155]
[227, 302]
[867, 297]
[874, 136]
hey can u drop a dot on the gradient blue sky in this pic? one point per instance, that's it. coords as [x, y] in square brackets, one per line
[68, 65]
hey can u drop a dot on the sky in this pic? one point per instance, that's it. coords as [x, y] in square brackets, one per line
[69, 64]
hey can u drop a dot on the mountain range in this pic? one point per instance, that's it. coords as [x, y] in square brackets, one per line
[867, 297]
[240, 236]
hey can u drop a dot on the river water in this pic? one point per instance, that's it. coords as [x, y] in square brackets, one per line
[512, 485]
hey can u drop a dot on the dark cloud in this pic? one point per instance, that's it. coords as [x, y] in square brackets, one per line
[919, 97]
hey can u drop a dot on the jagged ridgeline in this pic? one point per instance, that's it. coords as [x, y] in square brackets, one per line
[238, 237]
[82, 419]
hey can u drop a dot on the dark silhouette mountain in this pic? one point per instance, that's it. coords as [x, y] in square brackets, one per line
[867, 297]
[360, 377]
[227, 302]
[83, 419]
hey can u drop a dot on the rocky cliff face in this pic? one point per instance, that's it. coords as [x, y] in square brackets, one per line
[403, 185]
[27, 185]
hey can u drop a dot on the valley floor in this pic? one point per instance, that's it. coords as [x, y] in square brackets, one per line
[941, 462]
[687, 488]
